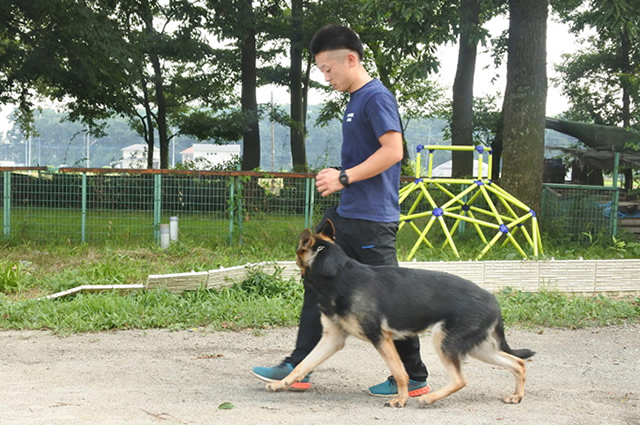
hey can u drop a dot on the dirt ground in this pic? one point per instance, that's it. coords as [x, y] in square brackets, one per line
[589, 376]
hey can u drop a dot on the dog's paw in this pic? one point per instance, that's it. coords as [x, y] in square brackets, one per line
[275, 386]
[513, 399]
[426, 400]
[396, 402]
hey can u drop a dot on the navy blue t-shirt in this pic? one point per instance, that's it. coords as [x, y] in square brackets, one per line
[371, 112]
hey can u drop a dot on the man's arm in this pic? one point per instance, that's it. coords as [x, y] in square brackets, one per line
[389, 153]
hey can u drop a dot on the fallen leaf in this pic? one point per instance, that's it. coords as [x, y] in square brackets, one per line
[226, 406]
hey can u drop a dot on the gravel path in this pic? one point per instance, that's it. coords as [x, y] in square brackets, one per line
[588, 376]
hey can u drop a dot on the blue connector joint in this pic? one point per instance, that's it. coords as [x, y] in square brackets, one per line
[437, 212]
[504, 229]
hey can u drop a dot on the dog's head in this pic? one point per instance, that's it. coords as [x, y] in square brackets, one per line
[311, 243]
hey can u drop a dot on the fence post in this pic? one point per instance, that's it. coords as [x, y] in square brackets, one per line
[307, 202]
[83, 231]
[7, 204]
[240, 209]
[312, 201]
[616, 195]
[157, 205]
[231, 205]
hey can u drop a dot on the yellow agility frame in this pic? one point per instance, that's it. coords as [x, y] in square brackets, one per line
[460, 207]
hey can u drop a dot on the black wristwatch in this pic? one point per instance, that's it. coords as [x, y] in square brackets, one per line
[344, 179]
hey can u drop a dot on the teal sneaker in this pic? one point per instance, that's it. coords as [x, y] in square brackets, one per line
[278, 373]
[389, 388]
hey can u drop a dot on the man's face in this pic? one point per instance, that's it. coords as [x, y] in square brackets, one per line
[337, 68]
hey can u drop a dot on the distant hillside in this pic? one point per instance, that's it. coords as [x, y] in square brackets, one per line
[65, 144]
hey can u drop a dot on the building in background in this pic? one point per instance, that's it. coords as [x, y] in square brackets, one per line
[207, 155]
[135, 156]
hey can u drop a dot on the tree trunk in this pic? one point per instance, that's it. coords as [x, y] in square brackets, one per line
[462, 118]
[525, 101]
[161, 101]
[162, 113]
[297, 126]
[496, 150]
[627, 70]
[147, 122]
[251, 136]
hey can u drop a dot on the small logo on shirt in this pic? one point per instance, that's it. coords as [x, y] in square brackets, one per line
[350, 116]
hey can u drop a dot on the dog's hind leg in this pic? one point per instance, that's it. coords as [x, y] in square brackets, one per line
[453, 364]
[489, 352]
[387, 350]
[332, 340]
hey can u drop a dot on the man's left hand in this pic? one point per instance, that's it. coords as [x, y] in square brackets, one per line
[328, 181]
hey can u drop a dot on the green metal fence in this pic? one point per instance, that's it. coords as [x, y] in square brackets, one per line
[127, 206]
[97, 205]
[578, 211]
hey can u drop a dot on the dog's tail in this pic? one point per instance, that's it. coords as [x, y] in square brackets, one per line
[522, 353]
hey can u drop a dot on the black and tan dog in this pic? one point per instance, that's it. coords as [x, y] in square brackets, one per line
[383, 303]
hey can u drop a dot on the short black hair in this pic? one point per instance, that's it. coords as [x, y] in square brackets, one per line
[334, 37]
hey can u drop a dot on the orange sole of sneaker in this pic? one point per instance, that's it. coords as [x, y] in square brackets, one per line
[300, 386]
[419, 391]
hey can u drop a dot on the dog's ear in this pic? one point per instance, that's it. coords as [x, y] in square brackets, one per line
[306, 239]
[328, 230]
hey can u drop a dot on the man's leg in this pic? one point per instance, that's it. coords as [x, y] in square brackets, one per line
[309, 333]
[309, 329]
[374, 244]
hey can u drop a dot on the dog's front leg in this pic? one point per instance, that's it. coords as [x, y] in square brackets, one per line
[387, 350]
[332, 340]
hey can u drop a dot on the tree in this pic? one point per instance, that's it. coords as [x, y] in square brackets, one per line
[298, 112]
[62, 49]
[172, 68]
[243, 25]
[139, 59]
[601, 79]
[462, 116]
[524, 101]
[472, 14]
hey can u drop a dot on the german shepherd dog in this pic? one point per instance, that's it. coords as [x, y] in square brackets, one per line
[380, 304]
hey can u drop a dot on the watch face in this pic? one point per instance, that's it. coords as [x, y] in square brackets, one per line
[344, 179]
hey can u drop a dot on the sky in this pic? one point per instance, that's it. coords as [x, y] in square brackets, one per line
[559, 41]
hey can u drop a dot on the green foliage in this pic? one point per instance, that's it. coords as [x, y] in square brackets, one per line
[486, 119]
[261, 301]
[262, 285]
[553, 309]
[204, 164]
[12, 276]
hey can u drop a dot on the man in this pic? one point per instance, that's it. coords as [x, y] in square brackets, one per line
[366, 220]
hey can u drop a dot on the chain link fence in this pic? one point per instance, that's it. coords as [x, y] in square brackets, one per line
[73, 205]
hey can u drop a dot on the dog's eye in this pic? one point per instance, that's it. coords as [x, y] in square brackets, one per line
[320, 248]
